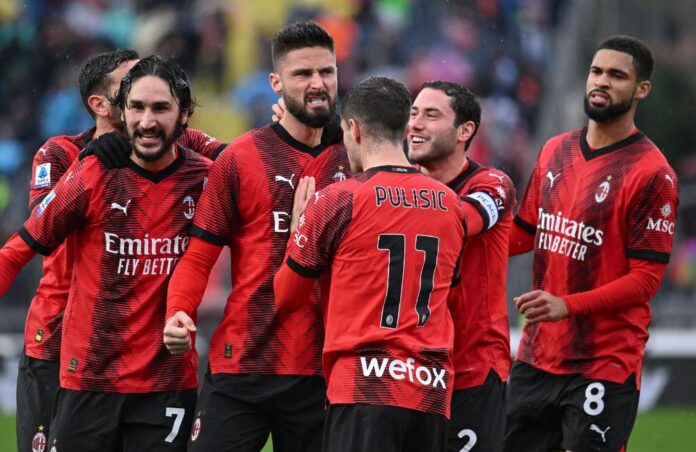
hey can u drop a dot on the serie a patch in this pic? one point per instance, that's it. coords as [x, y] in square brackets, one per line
[42, 177]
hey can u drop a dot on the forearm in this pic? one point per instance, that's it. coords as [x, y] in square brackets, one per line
[638, 286]
[13, 257]
[190, 278]
[520, 241]
[291, 289]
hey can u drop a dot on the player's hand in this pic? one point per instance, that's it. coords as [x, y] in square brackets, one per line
[539, 306]
[177, 333]
[304, 192]
[278, 110]
[113, 149]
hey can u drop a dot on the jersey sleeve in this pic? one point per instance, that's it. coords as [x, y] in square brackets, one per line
[321, 228]
[61, 211]
[651, 217]
[217, 214]
[527, 214]
[201, 143]
[493, 194]
[49, 164]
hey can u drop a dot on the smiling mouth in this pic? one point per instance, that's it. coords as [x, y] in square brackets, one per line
[418, 140]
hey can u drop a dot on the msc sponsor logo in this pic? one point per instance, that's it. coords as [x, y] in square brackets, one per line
[662, 224]
[401, 370]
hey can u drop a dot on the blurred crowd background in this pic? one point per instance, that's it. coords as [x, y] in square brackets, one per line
[527, 60]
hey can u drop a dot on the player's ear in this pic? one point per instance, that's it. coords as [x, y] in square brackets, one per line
[355, 131]
[642, 90]
[465, 130]
[100, 105]
[276, 83]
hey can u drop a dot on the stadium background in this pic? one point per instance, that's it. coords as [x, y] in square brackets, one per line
[526, 59]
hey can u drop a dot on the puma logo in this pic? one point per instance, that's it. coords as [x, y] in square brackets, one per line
[285, 179]
[117, 206]
[43, 151]
[669, 178]
[594, 428]
[316, 197]
[551, 177]
[497, 176]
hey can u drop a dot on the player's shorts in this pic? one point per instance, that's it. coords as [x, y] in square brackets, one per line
[37, 389]
[548, 412]
[113, 422]
[478, 417]
[238, 412]
[361, 427]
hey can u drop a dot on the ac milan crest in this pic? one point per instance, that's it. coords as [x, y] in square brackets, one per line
[38, 443]
[196, 428]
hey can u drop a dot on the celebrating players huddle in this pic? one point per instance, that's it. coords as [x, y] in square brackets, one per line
[368, 309]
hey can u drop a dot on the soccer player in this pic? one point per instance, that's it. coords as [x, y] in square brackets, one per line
[265, 366]
[37, 380]
[444, 119]
[390, 239]
[599, 213]
[120, 388]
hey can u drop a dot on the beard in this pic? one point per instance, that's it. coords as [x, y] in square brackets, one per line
[316, 120]
[439, 147]
[167, 141]
[608, 113]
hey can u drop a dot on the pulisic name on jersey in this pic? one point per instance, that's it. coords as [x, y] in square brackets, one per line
[411, 198]
[563, 235]
[146, 246]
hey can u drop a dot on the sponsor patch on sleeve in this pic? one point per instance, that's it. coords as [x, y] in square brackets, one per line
[46, 201]
[42, 178]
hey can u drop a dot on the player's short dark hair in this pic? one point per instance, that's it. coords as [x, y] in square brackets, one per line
[642, 55]
[299, 35]
[464, 103]
[93, 78]
[166, 69]
[381, 105]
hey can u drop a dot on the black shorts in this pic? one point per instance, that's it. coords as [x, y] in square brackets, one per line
[361, 427]
[478, 417]
[108, 421]
[547, 412]
[37, 388]
[238, 412]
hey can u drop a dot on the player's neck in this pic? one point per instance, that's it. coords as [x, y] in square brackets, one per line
[103, 126]
[383, 154]
[603, 134]
[446, 168]
[301, 132]
[158, 165]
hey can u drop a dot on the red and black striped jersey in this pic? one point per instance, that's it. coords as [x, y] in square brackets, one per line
[43, 326]
[246, 205]
[392, 239]
[130, 227]
[590, 211]
[479, 312]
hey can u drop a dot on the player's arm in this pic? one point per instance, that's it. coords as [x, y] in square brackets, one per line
[637, 287]
[185, 292]
[49, 164]
[521, 240]
[201, 143]
[14, 255]
[490, 199]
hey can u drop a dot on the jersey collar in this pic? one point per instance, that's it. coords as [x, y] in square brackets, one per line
[590, 154]
[332, 134]
[158, 176]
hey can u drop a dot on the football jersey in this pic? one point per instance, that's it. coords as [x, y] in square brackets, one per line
[392, 239]
[43, 325]
[246, 205]
[130, 228]
[482, 329]
[590, 211]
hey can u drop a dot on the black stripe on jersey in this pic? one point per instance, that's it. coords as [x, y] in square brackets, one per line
[524, 225]
[36, 201]
[481, 210]
[590, 154]
[159, 176]
[302, 270]
[459, 181]
[648, 255]
[217, 151]
[197, 231]
[33, 244]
